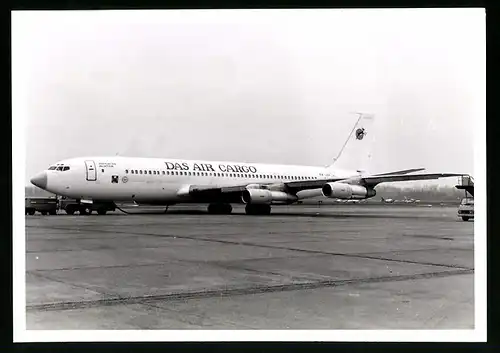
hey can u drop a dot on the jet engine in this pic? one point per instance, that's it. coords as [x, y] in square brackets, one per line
[346, 191]
[267, 197]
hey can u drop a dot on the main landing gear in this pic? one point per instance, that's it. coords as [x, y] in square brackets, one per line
[257, 209]
[220, 208]
[250, 209]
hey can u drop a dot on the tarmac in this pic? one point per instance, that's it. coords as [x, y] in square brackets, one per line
[302, 267]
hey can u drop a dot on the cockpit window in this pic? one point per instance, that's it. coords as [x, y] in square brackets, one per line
[52, 167]
[60, 168]
[66, 168]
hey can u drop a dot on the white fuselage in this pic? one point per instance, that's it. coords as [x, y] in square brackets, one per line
[165, 180]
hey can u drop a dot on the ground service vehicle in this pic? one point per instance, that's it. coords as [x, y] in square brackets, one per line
[44, 205]
[466, 209]
[70, 206]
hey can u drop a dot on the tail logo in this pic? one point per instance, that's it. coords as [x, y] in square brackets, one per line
[360, 133]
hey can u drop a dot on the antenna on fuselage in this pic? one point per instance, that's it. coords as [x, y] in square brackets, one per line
[360, 133]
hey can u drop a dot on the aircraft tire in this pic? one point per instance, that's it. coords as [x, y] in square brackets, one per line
[101, 212]
[227, 209]
[465, 219]
[31, 212]
[215, 208]
[44, 213]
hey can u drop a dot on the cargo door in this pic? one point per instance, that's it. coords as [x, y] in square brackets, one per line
[91, 170]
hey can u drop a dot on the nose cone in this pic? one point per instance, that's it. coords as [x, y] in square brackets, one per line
[40, 180]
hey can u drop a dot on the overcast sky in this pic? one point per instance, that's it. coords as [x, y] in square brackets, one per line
[258, 86]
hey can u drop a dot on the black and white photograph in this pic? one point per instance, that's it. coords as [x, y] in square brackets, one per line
[249, 174]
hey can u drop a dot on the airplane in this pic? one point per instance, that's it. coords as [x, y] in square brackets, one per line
[104, 180]
[387, 200]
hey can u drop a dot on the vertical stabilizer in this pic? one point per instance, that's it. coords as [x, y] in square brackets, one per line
[355, 153]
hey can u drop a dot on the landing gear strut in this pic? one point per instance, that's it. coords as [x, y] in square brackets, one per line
[220, 208]
[257, 209]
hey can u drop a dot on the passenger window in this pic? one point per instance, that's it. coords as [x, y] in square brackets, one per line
[163, 172]
[140, 171]
[126, 171]
[149, 172]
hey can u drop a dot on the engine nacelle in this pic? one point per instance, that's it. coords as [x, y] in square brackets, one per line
[346, 191]
[267, 197]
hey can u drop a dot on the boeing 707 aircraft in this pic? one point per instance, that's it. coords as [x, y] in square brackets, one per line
[166, 182]
[156, 181]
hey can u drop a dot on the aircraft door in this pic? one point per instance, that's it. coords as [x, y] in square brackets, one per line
[91, 170]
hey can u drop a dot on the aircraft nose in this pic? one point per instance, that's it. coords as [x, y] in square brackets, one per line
[40, 180]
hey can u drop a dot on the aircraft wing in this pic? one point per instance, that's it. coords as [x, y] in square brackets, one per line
[377, 179]
[233, 193]
[399, 172]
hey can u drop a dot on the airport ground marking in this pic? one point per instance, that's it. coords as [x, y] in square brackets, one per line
[224, 292]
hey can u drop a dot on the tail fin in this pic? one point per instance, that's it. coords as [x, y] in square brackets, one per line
[355, 154]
